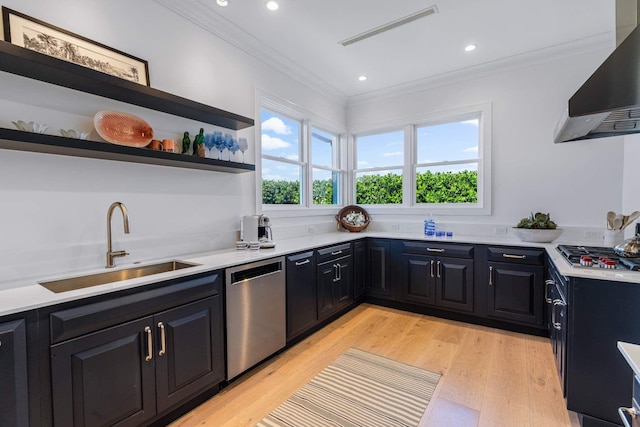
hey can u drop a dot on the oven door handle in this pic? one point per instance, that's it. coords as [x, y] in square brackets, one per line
[623, 412]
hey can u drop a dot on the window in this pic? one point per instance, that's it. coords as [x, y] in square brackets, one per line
[282, 165]
[447, 162]
[300, 161]
[439, 165]
[378, 175]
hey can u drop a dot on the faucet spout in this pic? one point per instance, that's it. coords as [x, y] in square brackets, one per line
[111, 254]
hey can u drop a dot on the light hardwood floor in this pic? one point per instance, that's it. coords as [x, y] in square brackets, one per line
[490, 377]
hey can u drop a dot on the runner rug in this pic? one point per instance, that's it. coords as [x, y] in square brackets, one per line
[359, 389]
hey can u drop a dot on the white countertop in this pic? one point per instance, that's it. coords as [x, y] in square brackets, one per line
[631, 353]
[22, 295]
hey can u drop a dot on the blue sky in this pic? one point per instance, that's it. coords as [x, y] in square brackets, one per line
[436, 143]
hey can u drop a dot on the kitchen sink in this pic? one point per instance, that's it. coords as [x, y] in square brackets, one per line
[81, 282]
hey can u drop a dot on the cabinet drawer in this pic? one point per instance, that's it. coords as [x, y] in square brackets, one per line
[300, 259]
[73, 322]
[333, 252]
[518, 255]
[439, 249]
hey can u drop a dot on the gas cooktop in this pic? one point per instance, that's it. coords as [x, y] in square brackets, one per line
[597, 257]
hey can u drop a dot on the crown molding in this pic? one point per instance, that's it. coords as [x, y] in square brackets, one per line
[589, 44]
[200, 13]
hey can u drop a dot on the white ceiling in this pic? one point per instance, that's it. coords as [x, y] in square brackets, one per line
[303, 36]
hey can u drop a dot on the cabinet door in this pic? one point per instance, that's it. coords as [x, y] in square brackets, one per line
[14, 409]
[301, 293]
[516, 292]
[359, 268]
[326, 300]
[189, 350]
[344, 285]
[454, 284]
[379, 280]
[105, 378]
[418, 279]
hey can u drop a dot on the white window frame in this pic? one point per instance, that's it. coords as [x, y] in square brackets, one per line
[409, 205]
[309, 121]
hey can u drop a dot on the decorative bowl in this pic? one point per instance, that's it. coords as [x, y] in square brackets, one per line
[72, 133]
[353, 218]
[122, 128]
[30, 126]
[537, 235]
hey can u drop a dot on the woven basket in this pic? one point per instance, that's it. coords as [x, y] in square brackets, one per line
[353, 228]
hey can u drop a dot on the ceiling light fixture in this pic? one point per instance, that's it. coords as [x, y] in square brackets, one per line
[470, 47]
[362, 78]
[272, 5]
[222, 2]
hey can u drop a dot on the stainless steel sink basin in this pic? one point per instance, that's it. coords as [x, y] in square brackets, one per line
[80, 282]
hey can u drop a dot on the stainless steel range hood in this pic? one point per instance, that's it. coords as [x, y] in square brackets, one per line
[608, 103]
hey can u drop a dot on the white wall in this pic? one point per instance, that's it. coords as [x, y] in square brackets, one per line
[576, 182]
[631, 180]
[53, 208]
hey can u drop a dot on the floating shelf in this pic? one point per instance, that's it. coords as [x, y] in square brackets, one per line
[27, 63]
[51, 144]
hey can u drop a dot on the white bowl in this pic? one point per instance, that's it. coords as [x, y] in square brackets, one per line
[537, 235]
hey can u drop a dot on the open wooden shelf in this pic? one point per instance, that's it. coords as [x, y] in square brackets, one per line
[34, 142]
[27, 63]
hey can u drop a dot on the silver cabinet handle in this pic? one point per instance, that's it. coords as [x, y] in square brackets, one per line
[339, 271]
[147, 330]
[306, 261]
[163, 340]
[336, 253]
[556, 303]
[548, 283]
[623, 412]
[490, 276]
[514, 256]
[432, 274]
[434, 250]
[439, 273]
[335, 272]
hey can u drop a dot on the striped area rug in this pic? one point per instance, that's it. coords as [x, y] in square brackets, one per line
[359, 389]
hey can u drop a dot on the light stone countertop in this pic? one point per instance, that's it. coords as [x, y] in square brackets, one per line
[631, 353]
[27, 294]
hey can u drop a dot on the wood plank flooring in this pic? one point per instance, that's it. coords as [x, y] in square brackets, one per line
[490, 377]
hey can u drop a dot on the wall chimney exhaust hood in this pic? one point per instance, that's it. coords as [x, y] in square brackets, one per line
[608, 103]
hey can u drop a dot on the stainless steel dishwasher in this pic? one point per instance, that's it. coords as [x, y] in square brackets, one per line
[256, 313]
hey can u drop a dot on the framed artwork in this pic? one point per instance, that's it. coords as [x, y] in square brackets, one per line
[33, 34]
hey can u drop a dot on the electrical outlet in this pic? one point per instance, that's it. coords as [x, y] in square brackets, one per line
[395, 227]
[591, 234]
[312, 229]
[500, 231]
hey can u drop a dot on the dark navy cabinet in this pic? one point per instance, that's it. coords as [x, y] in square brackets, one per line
[302, 298]
[379, 281]
[128, 360]
[14, 408]
[334, 279]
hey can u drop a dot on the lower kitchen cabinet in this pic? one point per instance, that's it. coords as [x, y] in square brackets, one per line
[334, 279]
[129, 373]
[598, 379]
[379, 280]
[516, 285]
[359, 268]
[301, 293]
[438, 280]
[14, 409]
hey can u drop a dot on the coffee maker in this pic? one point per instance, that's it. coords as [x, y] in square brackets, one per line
[264, 229]
[257, 228]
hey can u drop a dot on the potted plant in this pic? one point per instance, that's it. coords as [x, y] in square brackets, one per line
[537, 228]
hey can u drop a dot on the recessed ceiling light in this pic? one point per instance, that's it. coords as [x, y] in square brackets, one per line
[272, 5]
[470, 47]
[222, 2]
[362, 78]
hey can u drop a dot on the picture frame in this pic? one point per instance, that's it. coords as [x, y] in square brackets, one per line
[34, 34]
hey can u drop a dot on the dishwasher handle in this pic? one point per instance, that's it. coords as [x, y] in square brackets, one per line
[256, 272]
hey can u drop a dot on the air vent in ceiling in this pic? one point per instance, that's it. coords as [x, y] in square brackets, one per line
[391, 25]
